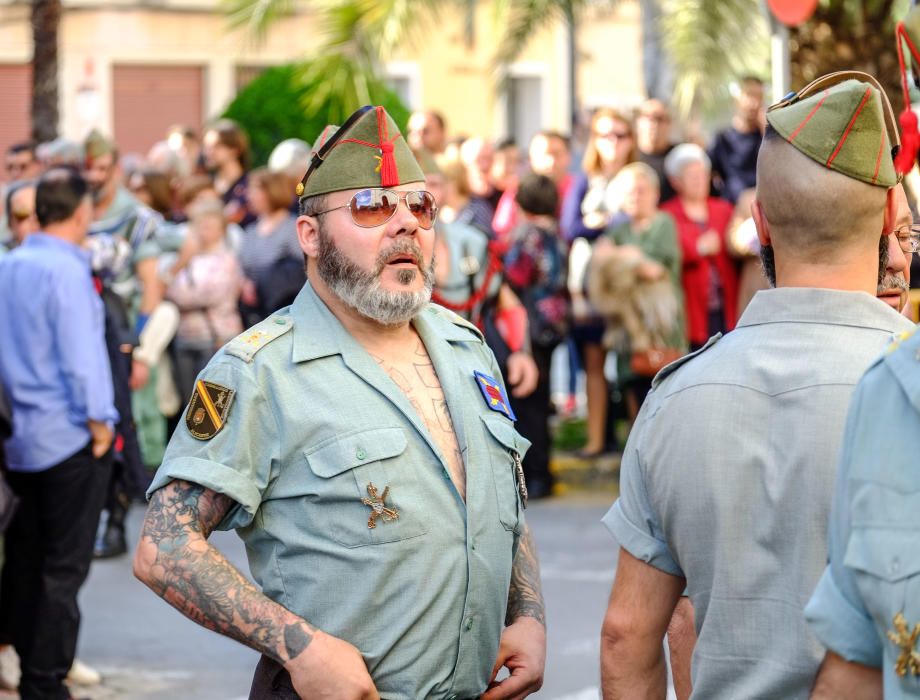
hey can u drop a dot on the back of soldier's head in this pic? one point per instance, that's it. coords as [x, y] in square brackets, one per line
[825, 168]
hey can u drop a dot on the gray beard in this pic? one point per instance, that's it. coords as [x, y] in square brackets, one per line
[360, 289]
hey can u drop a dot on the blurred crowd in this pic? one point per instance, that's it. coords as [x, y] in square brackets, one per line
[625, 248]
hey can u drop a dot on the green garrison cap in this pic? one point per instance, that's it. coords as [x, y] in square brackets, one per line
[98, 144]
[843, 121]
[366, 151]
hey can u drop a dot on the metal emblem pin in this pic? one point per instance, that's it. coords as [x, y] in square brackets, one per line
[378, 506]
[908, 660]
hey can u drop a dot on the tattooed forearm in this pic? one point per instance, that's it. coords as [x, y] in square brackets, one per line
[176, 561]
[525, 595]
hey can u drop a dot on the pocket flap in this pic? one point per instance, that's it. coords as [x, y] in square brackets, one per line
[354, 449]
[886, 553]
[504, 432]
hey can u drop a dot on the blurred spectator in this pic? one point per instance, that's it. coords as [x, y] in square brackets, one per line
[589, 207]
[504, 176]
[427, 131]
[478, 157]
[550, 155]
[226, 155]
[653, 140]
[535, 268]
[205, 290]
[59, 381]
[183, 140]
[709, 278]
[647, 242]
[460, 206]
[152, 189]
[586, 211]
[269, 248]
[744, 246]
[734, 151]
[20, 208]
[60, 153]
[161, 158]
[291, 157]
[21, 162]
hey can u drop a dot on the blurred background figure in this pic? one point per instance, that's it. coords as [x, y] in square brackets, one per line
[653, 141]
[21, 162]
[427, 131]
[271, 257]
[734, 151]
[183, 140]
[20, 209]
[646, 241]
[225, 148]
[291, 158]
[709, 277]
[205, 289]
[477, 157]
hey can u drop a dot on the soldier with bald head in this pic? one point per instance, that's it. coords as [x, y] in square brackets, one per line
[726, 478]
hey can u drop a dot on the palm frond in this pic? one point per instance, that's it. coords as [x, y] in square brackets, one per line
[256, 16]
[523, 19]
[710, 43]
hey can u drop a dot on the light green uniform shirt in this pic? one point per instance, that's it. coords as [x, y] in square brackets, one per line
[313, 421]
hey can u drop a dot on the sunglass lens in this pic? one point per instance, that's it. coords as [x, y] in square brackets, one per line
[373, 207]
[423, 207]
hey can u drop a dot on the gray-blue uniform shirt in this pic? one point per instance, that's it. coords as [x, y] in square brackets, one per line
[727, 475]
[874, 538]
[312, 422]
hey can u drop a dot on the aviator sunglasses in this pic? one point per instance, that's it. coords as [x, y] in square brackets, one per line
[375, 206]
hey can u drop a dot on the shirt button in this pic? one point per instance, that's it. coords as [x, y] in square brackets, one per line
[469, 624]
[895, 565]
[280, 321]
[473, 544]
[361, 453]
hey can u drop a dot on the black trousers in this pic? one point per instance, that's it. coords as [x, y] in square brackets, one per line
[49, 547]
[533, 414]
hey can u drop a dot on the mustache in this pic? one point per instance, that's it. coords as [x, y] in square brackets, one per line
[403, 246]
[892, 282]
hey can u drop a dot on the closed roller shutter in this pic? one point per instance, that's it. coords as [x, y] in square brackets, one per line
[16, 88]
[147, 100]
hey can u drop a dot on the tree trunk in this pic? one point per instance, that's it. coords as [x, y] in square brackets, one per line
[46, 17]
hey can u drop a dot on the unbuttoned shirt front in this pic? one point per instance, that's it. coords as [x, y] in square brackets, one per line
[53, 360]
[874, 538]
[313, 422]
[727, 475]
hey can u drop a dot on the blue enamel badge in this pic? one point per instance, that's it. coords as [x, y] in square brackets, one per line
[494, 394]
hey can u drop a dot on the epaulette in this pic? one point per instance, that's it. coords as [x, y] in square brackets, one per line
[455, 319]
[249, 342]
[668, 370]
[898, 339]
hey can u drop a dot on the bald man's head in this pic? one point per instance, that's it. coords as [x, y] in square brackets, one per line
[813, 211]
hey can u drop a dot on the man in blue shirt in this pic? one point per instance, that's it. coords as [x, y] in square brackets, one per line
[56, 371]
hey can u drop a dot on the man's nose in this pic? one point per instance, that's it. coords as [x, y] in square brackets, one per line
[403, 221]
[897, 260]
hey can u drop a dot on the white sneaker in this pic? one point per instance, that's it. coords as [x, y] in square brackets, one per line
[81, 674]
[9, 668]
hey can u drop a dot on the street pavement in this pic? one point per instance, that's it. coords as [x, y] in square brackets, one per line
[146, 650]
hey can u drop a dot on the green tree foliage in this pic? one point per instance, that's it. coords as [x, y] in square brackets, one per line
[292, 101]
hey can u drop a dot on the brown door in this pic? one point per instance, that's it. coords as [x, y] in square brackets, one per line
[16, 88]
[147, 100]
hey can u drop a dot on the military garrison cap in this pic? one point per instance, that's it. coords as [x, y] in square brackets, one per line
[366, 151]
[843, 121]
[98, 144]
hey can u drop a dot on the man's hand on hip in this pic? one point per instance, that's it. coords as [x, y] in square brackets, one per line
[332, 669]
[523, 652]
[102, 437]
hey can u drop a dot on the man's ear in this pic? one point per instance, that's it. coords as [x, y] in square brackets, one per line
[891, 211]
[761, 223]
[308, 235]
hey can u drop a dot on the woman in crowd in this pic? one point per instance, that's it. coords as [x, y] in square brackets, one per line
[709, 278]
[153, 189]
[226, 153]
[587, 210]
[271, 257]
[644, 245]
[205, 290]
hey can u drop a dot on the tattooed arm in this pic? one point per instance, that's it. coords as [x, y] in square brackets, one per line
[176, 561]
[523, 645]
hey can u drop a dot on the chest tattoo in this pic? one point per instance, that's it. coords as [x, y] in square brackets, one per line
[417, 378]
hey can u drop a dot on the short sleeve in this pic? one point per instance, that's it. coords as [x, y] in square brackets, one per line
[237, 460]
[836, 611]
[632, 520]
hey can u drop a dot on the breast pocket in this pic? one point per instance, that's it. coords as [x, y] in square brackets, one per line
[366, 490]
[506, 447]
[887, 566]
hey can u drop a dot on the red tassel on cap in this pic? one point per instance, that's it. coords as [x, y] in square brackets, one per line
[389, 175]
[910, 142]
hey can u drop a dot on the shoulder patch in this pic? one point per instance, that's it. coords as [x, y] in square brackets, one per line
[207, 410]
[898, 339]
[668, 370]
[249, 342]
[455, 319]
